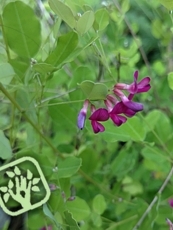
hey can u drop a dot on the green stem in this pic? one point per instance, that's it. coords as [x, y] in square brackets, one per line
[5, 92]
[5, 39]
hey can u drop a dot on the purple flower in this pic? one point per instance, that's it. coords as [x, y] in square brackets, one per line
[98, 115]
[142, 86]
[171, 203]
[135, 106]
[82, 115]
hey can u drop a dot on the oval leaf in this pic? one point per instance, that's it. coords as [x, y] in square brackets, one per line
[167, 3]
[35, 189]
[79, 209]
[5, 147]
[35, 181]
[170, 80]
[85, 22]
[63, 11]
[3, 189]
[65, 46]
[94, 91]
[10, 184]
[22, 29]
[68, 167]
[99, 204]
[6, 197]
[102, 18]
[17, 171]
[29, 174]
[10, 174]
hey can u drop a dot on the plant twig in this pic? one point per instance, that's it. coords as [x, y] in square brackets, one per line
[6, 93]
[154, 200]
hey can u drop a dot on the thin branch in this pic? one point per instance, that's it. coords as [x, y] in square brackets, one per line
[154, 200]
[134, 36]
[5, 92]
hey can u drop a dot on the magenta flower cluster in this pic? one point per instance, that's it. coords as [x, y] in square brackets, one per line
[118, 105]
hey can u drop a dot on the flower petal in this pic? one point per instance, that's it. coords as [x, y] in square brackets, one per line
[100, 115]
[97, 127]
[135, 106]
[81, 119]
[118, 119]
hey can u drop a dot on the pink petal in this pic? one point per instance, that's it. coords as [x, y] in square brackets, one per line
[97, 127]
[100, 115]
[118, 119]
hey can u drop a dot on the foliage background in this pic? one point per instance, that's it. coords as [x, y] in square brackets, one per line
[46, 50]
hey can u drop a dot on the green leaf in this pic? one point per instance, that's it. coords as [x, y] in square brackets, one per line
[35, 181]
[3, 189]
[99, 204]
[134, 127]
[170, 80]
[167, 3]
[79, 209]
[6, 151]
[17, 171]
[151, 119]
[66, 44]
[29, 174]
[48, 213]
[89, 160]
[124, 162]
[43, 68]
[102, 18]
[64, 116]
[63, 11]
[10, 184]
[35, 189]
[70, 221]
[10, 174]
[94, 91]
[6, 197]
[68, 167]
[7, 73]
[22, 29]
[85, 22]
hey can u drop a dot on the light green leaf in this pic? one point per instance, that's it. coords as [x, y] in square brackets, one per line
[7, 73]
[167, 3]
[6, 197]
[48, 213]
[43, 68]
[6, 151]
[64, 116]
[22, 29]
[17, 171]
[3, 189]
[99, 204]
[170, 80]
[68, 167]
[35, 181]
[66, 44]
[10, 184]
[63, 11]
[85, 22]
[10, 174]
[35, 189]
[94, 91]
[79, 209]
[102, 18]
[70, 221]
[29, 174]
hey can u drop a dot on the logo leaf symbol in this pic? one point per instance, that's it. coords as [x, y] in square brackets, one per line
[3, 189]
[35, 189]
[6, 197]
[29, 174]
[35, 181]
[10, 174]
[17, 171]
[10, 184]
